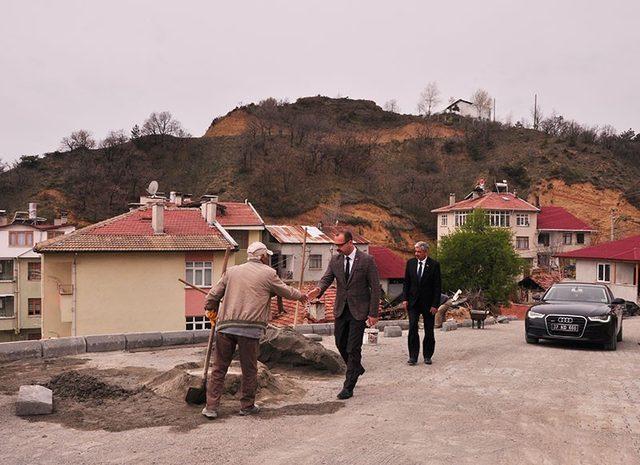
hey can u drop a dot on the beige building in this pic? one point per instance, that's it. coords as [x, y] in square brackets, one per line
[20, 285]
[504, 209]
[121, 275]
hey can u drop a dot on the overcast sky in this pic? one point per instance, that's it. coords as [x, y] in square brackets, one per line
[66, 65]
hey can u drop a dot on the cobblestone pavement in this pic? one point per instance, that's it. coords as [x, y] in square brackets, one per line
[488, 398]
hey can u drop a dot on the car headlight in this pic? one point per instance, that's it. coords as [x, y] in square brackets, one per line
[601, 318]
[534, 314]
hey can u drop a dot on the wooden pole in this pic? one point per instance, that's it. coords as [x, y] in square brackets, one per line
[304, 252]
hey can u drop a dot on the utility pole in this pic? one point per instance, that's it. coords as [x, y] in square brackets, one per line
[535, 111]
[494, 109]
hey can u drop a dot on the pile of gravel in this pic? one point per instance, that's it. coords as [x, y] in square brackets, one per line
[82, 387]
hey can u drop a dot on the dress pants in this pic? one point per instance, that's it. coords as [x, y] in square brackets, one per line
[349, 333]
[429, 341]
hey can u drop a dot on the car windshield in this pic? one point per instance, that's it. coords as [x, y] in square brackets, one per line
[577, 294]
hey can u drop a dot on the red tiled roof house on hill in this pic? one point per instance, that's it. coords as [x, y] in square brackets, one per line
[616, 264]
[121, 275]
[390, 269]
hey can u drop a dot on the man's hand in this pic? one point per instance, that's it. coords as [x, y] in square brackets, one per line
[304, 299]
[312, 294]
[372, 321]
[405, 304]
[433, 310]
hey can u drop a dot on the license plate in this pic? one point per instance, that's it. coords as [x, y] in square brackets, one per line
[564, 327]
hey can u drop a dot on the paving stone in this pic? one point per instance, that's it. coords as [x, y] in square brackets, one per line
[323, 328]
[404, 324]
[490, 321]
[10, 351]
[304, 329]
[34, 400]
[465, 323]
[201, 335]
[512, 317]
[392, 331]
[176, 338]
[502, 319]
[449, 325]
[143, 340]
[63, 346]
[105, 343]
[313, 336]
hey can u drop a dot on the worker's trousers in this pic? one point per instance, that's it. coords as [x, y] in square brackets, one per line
[224, 349]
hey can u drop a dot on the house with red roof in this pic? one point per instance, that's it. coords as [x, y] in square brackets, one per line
[615, 263]
[391, 267]
[121, 274]
[504, 209]
[560, 231]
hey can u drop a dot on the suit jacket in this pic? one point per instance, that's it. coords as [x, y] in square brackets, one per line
[361, 292]
[423, 294]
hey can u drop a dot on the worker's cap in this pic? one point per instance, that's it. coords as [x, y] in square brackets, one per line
[258, 249]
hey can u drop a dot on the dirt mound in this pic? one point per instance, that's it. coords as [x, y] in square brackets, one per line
[82, 388]
[288, 348]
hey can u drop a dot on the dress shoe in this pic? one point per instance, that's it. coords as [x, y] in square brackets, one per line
[253, 410]
[361, 371]
[412, 361]
[427, 361]
[345, 394]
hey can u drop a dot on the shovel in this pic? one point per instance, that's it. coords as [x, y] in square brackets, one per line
[198, 395]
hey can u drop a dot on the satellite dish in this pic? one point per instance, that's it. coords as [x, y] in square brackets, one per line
[153, 188]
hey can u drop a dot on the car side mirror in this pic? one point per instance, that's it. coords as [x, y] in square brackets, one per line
[617, 301]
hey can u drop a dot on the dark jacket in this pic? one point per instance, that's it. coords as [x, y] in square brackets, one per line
[362, 292]
[424, 294]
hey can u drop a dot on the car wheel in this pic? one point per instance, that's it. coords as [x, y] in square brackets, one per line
[619, 338]
[611, 345]
[531, 340]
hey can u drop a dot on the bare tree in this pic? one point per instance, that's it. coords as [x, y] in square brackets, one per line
[163, 124]
[81, 139]
[392, 106]
[429, 98]
[114, 138]
[136, 132]
[483, 102]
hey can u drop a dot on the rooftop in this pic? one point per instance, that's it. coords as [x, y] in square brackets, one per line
[184, 229]
[490, 201]
[234, 214]
[554, 218]
[294, 234]
[390, 265]
[624, 250]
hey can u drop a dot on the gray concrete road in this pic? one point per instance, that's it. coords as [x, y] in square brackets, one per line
[488, 398]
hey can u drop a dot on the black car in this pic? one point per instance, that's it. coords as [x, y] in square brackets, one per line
[576, 311]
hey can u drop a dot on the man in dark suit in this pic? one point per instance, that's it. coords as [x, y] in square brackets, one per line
[357, 301]
[421, 294]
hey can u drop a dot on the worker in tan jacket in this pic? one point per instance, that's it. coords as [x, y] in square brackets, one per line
[242, 320]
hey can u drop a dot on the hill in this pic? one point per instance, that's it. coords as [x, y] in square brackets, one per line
[327, 159]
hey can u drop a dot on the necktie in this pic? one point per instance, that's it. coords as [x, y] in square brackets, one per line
[347, 270]
[419, 271]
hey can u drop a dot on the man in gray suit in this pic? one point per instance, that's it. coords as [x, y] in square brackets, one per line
[357, 301]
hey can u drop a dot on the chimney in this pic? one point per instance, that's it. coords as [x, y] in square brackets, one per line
[172, 196]
[62, 220]
[320, 225]
[3, 217]
[452, 198]
[33, 210]
[209, 208]
[157, 218]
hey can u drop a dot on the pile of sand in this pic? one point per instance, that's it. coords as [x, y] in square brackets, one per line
[83, 388]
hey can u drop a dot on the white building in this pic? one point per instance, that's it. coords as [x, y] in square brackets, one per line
[20, 272]
[286, 243]
[465, 108]
[616, 264]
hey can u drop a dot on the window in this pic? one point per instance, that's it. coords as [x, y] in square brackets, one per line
[500, 219]
[199, 273]
[567, 238]
[522, 243]
[197, 322]
[6, 270]
[35, 307]
[543, 239]
[33, 271]
[604, 272]
[443, 220]
[241, 237]
[522, 219]
[6, 306]
[52, 234]
[580, 238]
[21, 238]
[460, 218]
[315, 262]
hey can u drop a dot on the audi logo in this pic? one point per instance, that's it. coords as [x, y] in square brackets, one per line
[565, 319]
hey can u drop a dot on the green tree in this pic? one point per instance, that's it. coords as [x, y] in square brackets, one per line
[478, 257]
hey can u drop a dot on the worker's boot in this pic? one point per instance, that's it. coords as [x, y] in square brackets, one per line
[249, 410]
[210, 414]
